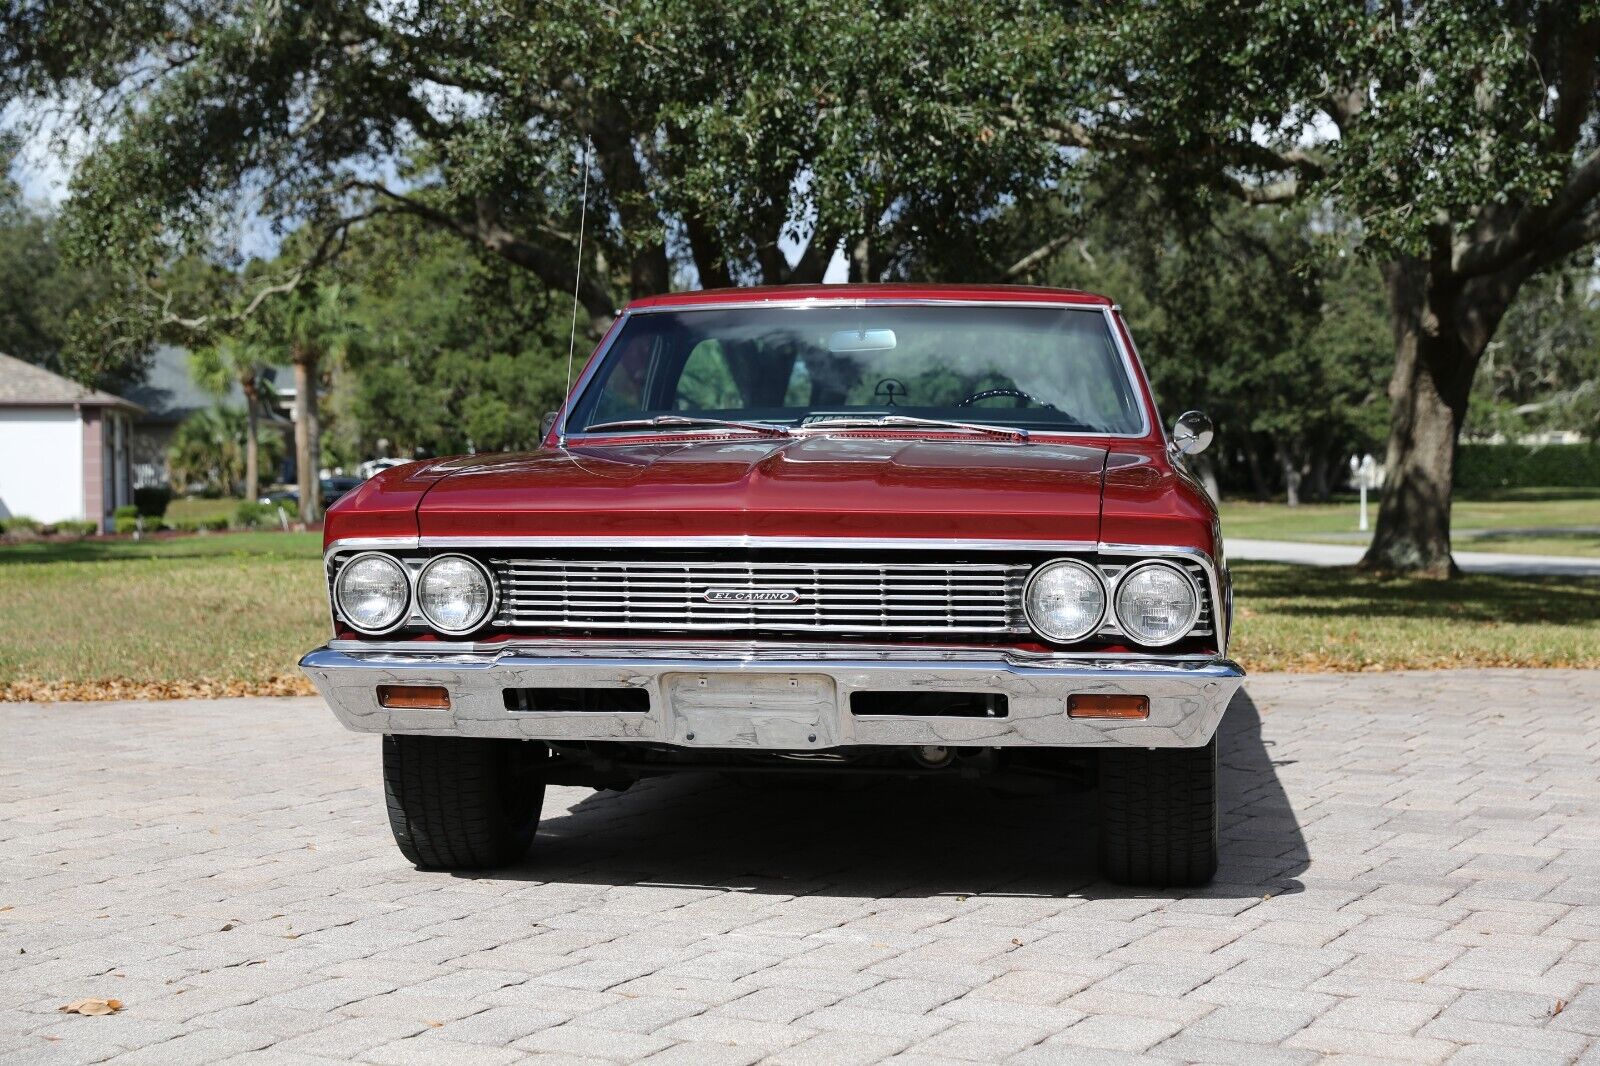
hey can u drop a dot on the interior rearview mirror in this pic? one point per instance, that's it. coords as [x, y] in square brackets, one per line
[862, 340]
[1192, 433]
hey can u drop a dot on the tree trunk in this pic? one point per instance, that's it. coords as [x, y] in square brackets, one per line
[307, 434]
[1291, 474]
[1258, 476]
[252, 438]
[1434, 363]
[1317, 473]
[1206, 470]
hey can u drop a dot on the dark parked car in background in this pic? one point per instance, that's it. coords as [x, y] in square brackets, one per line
[332, 489]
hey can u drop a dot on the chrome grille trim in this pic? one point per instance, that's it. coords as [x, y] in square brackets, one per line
[836, 597]
[1113, 560]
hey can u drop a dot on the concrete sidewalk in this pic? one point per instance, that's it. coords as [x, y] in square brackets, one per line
[1410, 872]
[1309, 554]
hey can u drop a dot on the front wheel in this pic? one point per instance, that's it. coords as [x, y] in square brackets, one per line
[460, 803]
[1158, 815]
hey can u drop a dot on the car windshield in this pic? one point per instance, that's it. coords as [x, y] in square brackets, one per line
[1034, 368]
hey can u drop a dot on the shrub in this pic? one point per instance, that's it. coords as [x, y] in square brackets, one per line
[20, 524]
[1518, 466]
[199, 525]
[151, 501]
[250, 515]
[127, 510]
[76, 527]
[125, 523]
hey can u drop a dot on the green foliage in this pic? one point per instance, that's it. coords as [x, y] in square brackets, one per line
[252, 514]
[20, 524]
[1481, 467]
[44, 299]
[208, 450]
[75, 527]
[126, 510]
[461, 352]
[1265, 321]
[151, 501]
[710, 132]
[1542, 371]
[200, 525]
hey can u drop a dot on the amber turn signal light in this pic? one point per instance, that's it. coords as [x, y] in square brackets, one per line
[1100, 706]
[414, 697]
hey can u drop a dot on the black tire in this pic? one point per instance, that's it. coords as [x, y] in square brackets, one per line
[460, 803]
[1158, 816]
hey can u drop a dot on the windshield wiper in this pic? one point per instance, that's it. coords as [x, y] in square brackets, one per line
[886, 421]
[689, 421]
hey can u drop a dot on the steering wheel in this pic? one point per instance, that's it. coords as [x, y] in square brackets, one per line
[988, 394]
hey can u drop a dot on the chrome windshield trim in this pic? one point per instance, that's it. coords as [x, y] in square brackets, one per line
[1107, 312]
[865, 301]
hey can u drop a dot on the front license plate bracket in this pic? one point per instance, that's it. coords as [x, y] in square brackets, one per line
[770, 711]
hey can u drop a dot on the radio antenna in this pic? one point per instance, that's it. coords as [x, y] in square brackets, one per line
[577, 281]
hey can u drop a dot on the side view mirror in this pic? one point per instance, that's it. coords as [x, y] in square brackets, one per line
[1192, 433]
[546, 424]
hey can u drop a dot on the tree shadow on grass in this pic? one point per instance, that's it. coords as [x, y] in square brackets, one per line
[916, 838]
[1344, 592]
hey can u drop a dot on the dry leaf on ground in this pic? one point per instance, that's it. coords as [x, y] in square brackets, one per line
[93, 1008]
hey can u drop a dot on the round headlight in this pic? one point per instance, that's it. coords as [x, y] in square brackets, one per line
[454, 593]
[1157, 603]
[372, 592]
[1065, 600]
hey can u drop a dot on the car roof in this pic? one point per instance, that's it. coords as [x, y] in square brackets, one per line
[788, 294]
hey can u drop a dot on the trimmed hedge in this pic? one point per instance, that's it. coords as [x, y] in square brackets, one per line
[151, 501]
[1522, 466]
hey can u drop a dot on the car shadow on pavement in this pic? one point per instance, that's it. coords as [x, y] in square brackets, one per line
[910, 838]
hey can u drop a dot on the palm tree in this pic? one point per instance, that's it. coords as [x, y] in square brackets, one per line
[316, 324]
[205, 449]
[239, 359]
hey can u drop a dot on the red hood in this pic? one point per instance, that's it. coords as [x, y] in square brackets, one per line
[811, 486]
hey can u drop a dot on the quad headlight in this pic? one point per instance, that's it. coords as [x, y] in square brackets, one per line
[1157, 603]
[1065, 600]
[372, 592]
[454, 593]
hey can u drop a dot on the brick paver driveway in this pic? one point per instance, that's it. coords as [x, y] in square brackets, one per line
[1411, 870]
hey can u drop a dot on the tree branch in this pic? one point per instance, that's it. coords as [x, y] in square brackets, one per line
[1488, 250]
[554, 270]
[1039, 255]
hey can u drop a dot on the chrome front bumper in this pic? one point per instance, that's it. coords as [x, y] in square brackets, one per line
[766, 697]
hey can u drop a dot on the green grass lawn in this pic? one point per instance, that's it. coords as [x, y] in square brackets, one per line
[1311, 618]
[198, 508]
[230, 613]
[194, 615]
[1567, 519]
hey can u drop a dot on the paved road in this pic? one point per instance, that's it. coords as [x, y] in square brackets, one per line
[1411, 872]
[1309, 554]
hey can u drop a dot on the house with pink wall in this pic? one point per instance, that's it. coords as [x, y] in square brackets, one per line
[65, 450]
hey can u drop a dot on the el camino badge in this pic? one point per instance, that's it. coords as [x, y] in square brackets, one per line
[755, 596]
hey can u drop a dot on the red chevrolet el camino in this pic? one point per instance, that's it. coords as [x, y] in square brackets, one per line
[897, 530]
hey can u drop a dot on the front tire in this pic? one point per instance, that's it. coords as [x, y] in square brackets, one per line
[460, 803]
[1158, 816]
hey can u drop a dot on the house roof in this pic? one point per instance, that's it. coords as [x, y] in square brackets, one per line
[168, 392]
[25, 385]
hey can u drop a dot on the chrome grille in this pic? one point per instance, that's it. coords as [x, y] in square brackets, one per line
[831, 597]
[843, 597]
